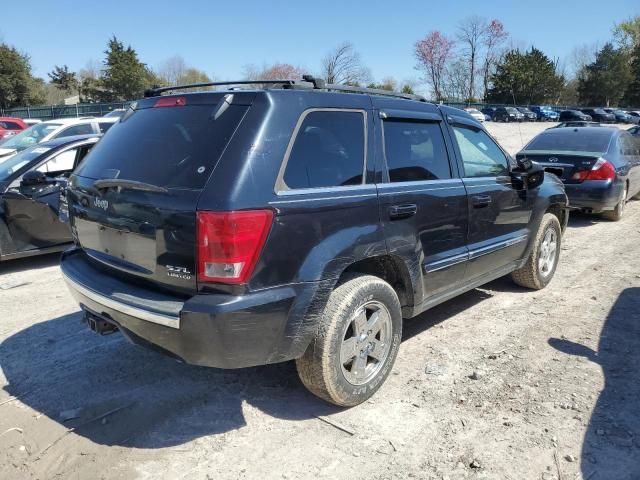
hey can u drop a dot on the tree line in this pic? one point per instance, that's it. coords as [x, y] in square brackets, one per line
[478, 62]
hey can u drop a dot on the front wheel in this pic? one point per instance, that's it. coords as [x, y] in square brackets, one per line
[543, 260]
[356, 344]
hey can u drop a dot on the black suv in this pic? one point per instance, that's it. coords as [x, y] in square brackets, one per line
[299, 221]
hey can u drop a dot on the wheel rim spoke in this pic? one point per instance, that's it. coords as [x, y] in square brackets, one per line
[378, 351]
[359, 367]
[360, 322]
[374, 324]
[348, 350]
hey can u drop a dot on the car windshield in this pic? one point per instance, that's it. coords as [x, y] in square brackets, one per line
[577, 140]
[599, 110]
[511, 110]
[11, 165]
[29, 136]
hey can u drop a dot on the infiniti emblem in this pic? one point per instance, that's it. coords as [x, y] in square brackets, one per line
[103, 204]
[553, 159]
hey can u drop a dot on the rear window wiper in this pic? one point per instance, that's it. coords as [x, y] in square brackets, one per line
[128, 184]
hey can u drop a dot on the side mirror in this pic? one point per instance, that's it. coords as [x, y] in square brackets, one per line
[34, 177]
[528, 175]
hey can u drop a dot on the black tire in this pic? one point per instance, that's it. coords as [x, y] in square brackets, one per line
[616, 214]
[532, 274]
[321, 368]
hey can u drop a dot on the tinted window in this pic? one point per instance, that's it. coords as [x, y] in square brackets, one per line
[328, 151]
[480, 154]
[415, 151]
[104, 126]
[11, 165]
[82, 129]
[168, 147]
[10, 125]
[577, 140]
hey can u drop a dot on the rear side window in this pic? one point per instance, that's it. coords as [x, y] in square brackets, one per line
[174, 147]
[82, 129]
[10, 125]
[328, 151]
[415, 151]
[104, 126]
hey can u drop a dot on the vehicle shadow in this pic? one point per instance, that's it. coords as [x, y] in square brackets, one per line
[28, 263]
[581, 220]
[611, 446]
[61, 369]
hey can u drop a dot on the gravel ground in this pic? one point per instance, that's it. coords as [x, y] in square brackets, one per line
[500, 383]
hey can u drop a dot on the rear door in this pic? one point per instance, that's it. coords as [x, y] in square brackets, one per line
[423, 202]
[499, 213]
[169, 145]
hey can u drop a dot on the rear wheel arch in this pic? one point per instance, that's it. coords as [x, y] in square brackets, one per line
[561, 212]
[391, 269]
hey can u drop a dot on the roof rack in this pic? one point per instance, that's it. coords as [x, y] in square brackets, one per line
[286, 83]
[307, 82]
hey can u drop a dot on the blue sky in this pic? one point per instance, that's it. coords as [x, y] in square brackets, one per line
[221, 37]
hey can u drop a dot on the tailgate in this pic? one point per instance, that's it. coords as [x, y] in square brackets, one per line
[141, 223]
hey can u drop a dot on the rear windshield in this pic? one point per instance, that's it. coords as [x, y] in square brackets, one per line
[175, 147]
[578, 140]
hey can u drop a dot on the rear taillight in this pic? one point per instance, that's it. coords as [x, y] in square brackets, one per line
[601, 170]
[229, 244]
[170, 102]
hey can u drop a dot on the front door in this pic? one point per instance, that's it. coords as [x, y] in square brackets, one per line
[32, 210]
[423, 203]
[499, 212]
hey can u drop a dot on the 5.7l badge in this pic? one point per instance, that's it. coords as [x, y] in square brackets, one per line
[178, 272]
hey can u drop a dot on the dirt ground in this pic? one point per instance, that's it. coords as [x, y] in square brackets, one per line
[555, 394]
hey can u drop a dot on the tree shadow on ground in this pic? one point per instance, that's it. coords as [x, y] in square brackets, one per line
[611, 446]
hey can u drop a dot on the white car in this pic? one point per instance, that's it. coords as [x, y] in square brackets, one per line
[475, 113]
[44, 131]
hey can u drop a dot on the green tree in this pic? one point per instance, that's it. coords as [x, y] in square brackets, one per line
[18, 87]
[124, 77]
[62, 78]
[605, 81]
[407, 89]
[627, 33]
[632, 94]
[525, 78]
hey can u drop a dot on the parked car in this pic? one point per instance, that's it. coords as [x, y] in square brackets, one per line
[31, 121]
[620, 115]
[118, 113]
[30, 186]
[573, 115]
[318, 253]
[52, 129]
[599, 115]
[634, 117]
[475, 113]
[9, 126]
[545, 114]
[529, 115]
[576, 123]
[634, 130]
[507, 114]
[489, 111]
[599, 166]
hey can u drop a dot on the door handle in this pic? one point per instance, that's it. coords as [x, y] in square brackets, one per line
[480, 201]
[403, 211]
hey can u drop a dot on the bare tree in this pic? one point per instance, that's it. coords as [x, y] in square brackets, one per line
[470, 33]
[433, 52]
[494, 36]
[344, 65]
[172, 70]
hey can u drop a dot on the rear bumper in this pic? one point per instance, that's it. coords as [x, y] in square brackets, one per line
[215, 330]
[594, 196]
